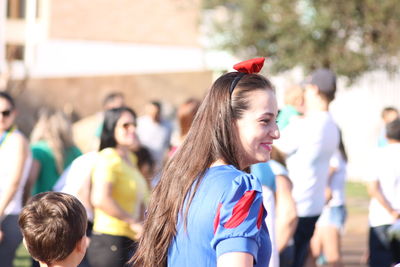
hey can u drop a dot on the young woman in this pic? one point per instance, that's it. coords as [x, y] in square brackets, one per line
[206, 210]
[278, 200]
[118, 193]
[15, 161]
[326, 242]
[53, 150]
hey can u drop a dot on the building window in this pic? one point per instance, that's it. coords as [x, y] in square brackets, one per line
[16, 9]
[37, 14]
[14, 52]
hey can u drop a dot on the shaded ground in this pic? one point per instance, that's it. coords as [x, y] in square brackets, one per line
[355, 238]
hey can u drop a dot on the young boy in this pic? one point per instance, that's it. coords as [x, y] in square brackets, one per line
[384, 208]
[54, 225]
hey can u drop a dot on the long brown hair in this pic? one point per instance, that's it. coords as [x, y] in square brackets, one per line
[186, 113]
[55, 128]
[211, 137]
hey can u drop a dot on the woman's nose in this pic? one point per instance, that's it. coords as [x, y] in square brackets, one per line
[275, 133]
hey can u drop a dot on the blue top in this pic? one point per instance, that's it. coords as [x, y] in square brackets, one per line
[226, 215]
[263, 171]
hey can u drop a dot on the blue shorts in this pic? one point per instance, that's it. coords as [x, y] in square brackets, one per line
[333, 216]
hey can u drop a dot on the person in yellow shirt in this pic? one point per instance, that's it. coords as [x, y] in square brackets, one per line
[119, 192]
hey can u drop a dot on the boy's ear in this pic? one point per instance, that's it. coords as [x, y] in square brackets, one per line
[24, 242]
[82, 244]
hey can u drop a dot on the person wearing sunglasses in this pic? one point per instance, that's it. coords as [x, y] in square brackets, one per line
[15, 161]
[118, 193]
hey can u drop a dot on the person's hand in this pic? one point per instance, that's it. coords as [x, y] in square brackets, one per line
[328, 195]
[137, 228]
[395, 215]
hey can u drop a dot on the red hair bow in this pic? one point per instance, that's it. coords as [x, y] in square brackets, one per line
[253, 65]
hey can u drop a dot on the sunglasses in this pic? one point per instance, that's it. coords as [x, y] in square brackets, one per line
[6, 113]
[126, 125]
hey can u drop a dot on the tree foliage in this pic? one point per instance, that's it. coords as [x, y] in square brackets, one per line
[349, 36]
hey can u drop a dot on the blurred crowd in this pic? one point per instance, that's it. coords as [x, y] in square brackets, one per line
[303, 183]
[112, 181]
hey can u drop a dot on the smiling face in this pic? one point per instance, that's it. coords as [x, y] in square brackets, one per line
[257, 128]
[7, 114]
[125, 131]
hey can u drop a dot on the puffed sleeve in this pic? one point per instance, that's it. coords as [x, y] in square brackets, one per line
[239, 217]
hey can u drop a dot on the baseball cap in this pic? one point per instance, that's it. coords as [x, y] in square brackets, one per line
[325, 79]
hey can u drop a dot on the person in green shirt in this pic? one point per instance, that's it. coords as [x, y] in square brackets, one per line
[53, 150]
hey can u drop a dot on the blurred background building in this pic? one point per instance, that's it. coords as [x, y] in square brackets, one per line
[77, 51]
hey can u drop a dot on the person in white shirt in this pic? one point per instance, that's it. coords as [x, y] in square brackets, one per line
[330, 225]
[154, 133]
[384, 208]
[75, 180]
[15, 163]
[309, 143]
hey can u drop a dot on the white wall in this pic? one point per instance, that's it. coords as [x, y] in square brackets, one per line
[63, 58]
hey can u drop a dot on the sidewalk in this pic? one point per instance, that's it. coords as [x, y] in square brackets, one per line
[355, 241]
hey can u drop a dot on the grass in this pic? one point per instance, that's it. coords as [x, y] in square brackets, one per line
[356, 197]
[22, 258]
[356, 190]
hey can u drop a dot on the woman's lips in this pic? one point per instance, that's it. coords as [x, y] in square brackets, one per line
[267, 146]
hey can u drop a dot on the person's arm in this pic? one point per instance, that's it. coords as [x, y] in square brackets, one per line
[374, 190]
[328, 188]
[33, 176]
[84, 193]
[101, 198]
[18, 158]
[286, 215]
[235, 259]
